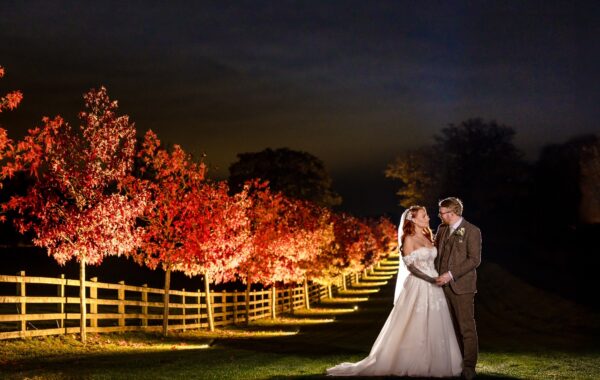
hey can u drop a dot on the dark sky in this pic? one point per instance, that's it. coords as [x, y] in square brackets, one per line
[352, 82]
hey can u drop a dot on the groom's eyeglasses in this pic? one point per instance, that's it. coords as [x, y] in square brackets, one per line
[444, 213]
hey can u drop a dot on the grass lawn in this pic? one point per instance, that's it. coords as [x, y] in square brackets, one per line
[523, 332]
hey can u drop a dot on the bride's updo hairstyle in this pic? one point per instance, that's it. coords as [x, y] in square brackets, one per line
[410, 228]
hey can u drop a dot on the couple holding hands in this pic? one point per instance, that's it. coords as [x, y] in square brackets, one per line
[431, 331]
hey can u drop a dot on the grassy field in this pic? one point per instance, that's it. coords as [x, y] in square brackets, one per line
[523, 332]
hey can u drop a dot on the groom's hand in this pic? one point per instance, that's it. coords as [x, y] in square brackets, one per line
[443, 279]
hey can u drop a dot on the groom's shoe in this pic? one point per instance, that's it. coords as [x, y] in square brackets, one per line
[468, 373]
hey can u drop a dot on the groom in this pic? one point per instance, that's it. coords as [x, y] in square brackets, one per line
[459, 253]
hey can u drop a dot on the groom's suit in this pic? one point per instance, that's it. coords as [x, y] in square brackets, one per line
[459, 253]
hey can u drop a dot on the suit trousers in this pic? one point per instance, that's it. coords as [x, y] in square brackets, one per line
[462, 308]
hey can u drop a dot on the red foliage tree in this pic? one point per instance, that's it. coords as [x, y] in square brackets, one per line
[386, 235]
[216, 228]
[76, 207]
[9, 101]
[171, 179]
[353, 249]
[312, 234]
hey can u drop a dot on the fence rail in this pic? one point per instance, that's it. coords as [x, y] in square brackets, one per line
[121, 307]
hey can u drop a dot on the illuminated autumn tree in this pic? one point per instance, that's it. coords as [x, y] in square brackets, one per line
[76, 207]
[269, 258]
[216, 230]
[169, 178]
[9, 101]
[312, 235]
[352, 250]
[385, 235]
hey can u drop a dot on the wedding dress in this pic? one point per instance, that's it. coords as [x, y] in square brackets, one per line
[418, 337]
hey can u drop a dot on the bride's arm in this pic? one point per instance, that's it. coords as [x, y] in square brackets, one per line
[417, 273]
[409, 261]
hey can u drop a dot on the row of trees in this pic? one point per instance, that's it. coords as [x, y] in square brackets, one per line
[97, 190]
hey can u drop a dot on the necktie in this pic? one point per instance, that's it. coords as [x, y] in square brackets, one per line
[450, 231]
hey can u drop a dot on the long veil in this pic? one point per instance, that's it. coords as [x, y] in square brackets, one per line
[402, 269]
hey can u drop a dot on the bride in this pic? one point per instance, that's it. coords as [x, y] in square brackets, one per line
[418, 337]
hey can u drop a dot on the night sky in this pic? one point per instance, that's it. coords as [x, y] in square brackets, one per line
[352, 82]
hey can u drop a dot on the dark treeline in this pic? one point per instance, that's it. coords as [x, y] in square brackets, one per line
[539, 219]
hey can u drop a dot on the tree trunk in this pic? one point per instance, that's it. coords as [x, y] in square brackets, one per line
[165, 329]
[306, 295]
[82, 303]
[248, 303]
[209, 311]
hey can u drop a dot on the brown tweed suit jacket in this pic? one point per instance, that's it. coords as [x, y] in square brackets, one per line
[459, 253]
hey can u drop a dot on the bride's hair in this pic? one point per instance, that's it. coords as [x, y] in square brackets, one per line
[410, 228]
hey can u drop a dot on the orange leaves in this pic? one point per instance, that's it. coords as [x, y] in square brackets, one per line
[11, 100]
[88, 200]
[73, 207]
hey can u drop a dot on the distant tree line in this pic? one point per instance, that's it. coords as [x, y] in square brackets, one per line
[550, 205]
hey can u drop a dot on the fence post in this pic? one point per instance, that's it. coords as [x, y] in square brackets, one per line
[291, 298]
[93, 302]
[121, 296]
[199, 309]
[224, 307]
[273, 302]
[23, 309]
[235, 308]
[183, 307]
[61, 294]
[145, 305]
[306, 295]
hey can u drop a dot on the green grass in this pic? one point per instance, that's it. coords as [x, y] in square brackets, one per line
[523, 332]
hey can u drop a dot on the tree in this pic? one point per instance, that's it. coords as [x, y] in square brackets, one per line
[417, 175]
[11, 100]
[352, 250]
[296, 174]
[567, 174]
[312, 234]
[216, 228]
[270, 257]
[169, 179]
[76, 207]
[476, 161]
[386, 236]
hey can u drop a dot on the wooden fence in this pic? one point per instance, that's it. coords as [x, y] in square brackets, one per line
[50, 306]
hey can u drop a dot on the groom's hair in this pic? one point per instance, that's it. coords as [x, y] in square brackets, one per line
[453, 204]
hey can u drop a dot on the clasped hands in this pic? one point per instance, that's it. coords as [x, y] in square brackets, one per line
[443, 279]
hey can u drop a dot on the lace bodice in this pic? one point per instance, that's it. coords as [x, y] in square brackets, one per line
[423, 259]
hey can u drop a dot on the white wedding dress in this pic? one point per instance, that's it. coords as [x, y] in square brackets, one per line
[418, 337]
